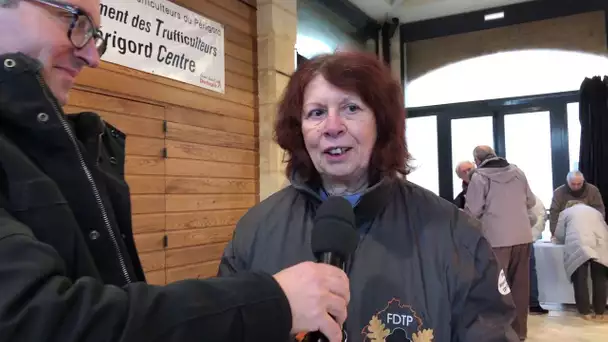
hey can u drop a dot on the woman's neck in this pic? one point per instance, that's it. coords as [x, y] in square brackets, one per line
[343, 188]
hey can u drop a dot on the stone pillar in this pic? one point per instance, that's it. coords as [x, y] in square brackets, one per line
[277, 31]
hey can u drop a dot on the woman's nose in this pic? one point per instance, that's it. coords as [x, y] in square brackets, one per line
[334, 126]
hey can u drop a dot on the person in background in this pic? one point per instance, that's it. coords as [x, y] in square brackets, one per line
[584, 232]
[575, 189]
[422, 268]
[538, 218]
[464, 171]
[499, 196]
[69, 269]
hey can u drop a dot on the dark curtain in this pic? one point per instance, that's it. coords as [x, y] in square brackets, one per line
[593, 116]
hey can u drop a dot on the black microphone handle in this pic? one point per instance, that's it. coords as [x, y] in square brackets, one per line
[334, 260]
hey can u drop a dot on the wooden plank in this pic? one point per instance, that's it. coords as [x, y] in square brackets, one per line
[194, 255]
[180, 203]
[143, 146]
[147, 204]
[94, 101]
[152, 261]
[203, 219]
[237, 7]
[136, 165]
[204, 119]
[245, 83]
[252, 3]
[146, 184]
[199, 237]
[216, 13]
[240, 53]
[153, 88]
[156, 277]
[206, 136]
[149, 242]
[232, 94]
[128, 124]
[148, 223]
[199, 168]
[239, 38]
[185, 150]
[196, 271]
[177, 185]
[241, 68]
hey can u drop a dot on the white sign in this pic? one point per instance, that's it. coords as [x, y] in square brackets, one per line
[503, 285]
[162, 38]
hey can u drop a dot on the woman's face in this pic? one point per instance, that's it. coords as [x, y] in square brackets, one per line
[339, 131]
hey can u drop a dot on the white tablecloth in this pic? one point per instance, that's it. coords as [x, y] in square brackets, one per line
[553, 283]
[554, 286]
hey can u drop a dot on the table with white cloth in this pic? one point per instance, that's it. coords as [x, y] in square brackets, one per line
[554, 286]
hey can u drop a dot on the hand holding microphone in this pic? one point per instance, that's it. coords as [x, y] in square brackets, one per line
[316, 291]
[319, 293]
[334, 240]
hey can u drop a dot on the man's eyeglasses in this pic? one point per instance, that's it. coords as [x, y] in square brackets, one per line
[82, 29]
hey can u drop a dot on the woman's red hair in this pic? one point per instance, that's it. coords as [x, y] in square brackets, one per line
[359, 73]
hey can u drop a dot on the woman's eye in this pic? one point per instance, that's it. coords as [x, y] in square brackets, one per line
[352, 108]
[316, 113]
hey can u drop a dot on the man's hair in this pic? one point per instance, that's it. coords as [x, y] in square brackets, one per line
[8, 3]
[574, 174]
[483, 152]
[466, 162]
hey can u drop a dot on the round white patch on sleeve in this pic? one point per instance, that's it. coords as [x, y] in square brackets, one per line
[503, 285]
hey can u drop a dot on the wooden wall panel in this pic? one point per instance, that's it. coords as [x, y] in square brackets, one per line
[192, 154]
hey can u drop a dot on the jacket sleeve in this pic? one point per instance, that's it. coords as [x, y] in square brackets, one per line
[475, 199]
[560, 227]
[557, 206]
[482, 305]
[530, 197]
[39, 303]
[235, 256]
[597, 202]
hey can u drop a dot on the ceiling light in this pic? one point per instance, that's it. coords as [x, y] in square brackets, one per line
[494, 16]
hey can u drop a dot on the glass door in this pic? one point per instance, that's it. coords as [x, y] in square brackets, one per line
[421, 137]
[528, 145]
[468, 133]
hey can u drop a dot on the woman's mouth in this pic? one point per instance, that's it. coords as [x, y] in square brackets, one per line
[337, 151]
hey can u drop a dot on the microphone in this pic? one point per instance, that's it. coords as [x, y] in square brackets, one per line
[334, 239]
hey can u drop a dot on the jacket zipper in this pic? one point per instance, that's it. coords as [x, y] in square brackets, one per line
[89, 176]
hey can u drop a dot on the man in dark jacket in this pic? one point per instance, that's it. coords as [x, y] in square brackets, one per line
[69, 269]
[463, 171]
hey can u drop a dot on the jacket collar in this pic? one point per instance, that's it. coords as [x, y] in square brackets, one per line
[373, 200]
[30, 114]
[494, 162]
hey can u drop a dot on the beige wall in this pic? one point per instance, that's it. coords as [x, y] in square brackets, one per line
[581, 32]
[277, 31]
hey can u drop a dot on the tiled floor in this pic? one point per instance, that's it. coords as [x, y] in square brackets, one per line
[563, 324]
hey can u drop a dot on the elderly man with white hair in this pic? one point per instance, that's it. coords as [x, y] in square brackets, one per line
[499, 196]
[463, 170]
[576, 189]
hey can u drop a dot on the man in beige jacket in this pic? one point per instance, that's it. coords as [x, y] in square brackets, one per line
[499, 196]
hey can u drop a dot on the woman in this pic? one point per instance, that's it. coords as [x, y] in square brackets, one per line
[422, 268]
[538, 218]
[585, 234]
